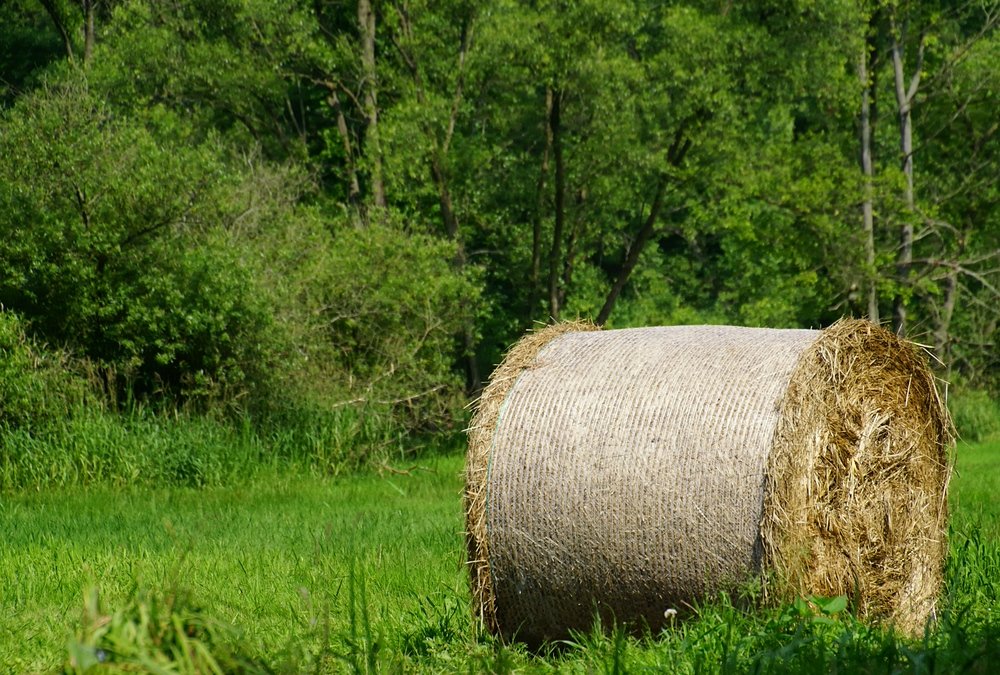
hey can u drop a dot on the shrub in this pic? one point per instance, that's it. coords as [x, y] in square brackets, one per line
[113, 242]
[393, 307]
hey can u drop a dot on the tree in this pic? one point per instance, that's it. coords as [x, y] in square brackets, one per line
[867, 68]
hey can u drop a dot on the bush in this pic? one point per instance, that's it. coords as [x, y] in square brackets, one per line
[198, 281]
[976, 415]
[114, 241]
[394, 308]
[194, 327]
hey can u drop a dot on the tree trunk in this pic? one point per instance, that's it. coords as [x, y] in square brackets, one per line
[354, 188]
[904, 104]
[555, 253]
[88, 29]
[439, 147]
[444, 197]
[675, 157]
[57, 20]
[867, 171]
[536, 230]
[942, 328]
[567, 274]
[438, 156]
[632, 257]
[366, 26]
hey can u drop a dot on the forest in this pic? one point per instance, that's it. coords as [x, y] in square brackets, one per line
[320, 224]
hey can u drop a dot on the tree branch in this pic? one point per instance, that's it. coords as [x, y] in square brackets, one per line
[632, 257]
[60, 25]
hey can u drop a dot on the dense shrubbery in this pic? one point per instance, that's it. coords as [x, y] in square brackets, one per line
[392, 306]
[111, 242]
[181, 277]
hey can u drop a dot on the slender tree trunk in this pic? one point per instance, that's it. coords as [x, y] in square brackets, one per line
[439, 151]
[942, 329]
[57, 20]
[536, 230]
[675, 157]
[949, 298]
[438, 163]
[89, 8]
[366, 26]
[567, 275]
[555, 253]
[632, 257]
[904, 103]
[444, 198]
[353, 187]
[867, 171]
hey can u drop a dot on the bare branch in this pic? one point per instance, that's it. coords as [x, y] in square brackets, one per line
[60, 25]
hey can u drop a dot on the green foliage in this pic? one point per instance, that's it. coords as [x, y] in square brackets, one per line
[190, 205]
[110, 243]
[393, 307]
[29, 43]
[231, 68]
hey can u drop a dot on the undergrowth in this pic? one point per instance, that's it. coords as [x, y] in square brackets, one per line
[93, 446]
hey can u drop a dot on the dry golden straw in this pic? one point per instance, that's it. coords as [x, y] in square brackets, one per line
[632, 472]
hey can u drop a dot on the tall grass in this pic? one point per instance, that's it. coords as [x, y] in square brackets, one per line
[65, 420]
[976, 415]
[140, 447]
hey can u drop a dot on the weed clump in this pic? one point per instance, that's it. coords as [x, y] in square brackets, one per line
[156, 631]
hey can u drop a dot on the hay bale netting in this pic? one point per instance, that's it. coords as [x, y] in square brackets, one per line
[637, 470]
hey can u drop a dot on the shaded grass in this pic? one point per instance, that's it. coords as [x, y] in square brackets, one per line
[140, 447]
[976, 415]
[365, 574]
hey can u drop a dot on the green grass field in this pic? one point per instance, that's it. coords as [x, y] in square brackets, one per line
[299, 574]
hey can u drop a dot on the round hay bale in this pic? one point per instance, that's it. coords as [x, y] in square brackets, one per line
[635, 471]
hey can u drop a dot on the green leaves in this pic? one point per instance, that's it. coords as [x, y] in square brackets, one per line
[393, 308]
[179, 207]
[107, 244]
[817, 608]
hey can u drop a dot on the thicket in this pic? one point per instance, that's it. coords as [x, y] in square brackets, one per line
[173, 311]
[301, 217]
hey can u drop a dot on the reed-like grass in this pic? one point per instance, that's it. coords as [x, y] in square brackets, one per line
[94, 447]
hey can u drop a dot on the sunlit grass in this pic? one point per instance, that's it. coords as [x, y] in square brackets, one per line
[273, 558]
[366, 572]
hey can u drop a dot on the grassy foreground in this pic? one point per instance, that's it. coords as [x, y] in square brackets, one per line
[364, 574]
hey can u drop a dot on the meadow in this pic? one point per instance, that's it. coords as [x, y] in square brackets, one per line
[296, 573]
